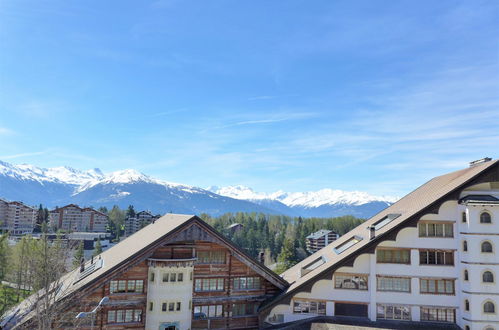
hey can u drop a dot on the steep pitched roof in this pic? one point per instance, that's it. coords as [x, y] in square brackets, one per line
[358, 239]
[129, 248]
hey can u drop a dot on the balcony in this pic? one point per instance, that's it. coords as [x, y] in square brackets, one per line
[168, 262]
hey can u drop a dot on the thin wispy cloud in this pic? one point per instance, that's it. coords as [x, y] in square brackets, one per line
[6, 131]
[22, 155]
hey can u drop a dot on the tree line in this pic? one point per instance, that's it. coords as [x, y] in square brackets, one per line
[281, 238]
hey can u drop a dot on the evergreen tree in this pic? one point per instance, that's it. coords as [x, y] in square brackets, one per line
[79, 254]
[130, 212]
[97, 248]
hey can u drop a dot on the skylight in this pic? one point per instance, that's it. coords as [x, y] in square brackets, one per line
[385, 220]
[348, 244]
[313, 265]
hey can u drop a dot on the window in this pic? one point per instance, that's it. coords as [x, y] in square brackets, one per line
[436, 257]
[180, 277]
[489, 307]
[486, 247]
[151, 306]
[173, 277]
[166, 277]
[246, 283]
[347, 281]
[211, 257]
[178, 305]
[435, 314]
[130, 286]
[397, 284]
[463, 217]
[436, 286]
[465, 246]
[124, 316]
[347, 244]
[487, 277]
[151, 277]
[306, 307]
[485, 217]
[466, 305]
[208, 284]
[393, 312]
[385, 220]
[209, 311]
[394, 256]
[435, 229]
[244, 309]
[466, 277]
[171, 307]
[164, 307]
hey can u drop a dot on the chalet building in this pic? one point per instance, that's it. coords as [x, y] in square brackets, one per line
[235, 227]
[74, 218]
[320, 239]
[139, 221]
[177, 273]
[17, 218]
[431, 259]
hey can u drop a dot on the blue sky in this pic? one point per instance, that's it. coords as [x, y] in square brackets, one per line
[376, 96]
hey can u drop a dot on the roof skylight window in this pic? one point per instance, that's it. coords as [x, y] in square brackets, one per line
[313, 265]
[385, 220]
[347, 244]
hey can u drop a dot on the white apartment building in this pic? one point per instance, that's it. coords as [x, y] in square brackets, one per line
[431, 257]
[17, 218]
[139, 221]
[74, 218]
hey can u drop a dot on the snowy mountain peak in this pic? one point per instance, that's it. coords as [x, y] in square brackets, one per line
[306, 199]
[127, 176]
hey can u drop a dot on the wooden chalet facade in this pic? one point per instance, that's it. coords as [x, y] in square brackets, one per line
[177, 273]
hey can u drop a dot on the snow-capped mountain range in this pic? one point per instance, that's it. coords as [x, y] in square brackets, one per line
[58, 186]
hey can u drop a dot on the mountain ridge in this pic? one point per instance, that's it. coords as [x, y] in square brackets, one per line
[60, 185]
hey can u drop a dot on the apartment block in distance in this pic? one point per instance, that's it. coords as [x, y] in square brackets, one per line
[176, 273]
[431, 259]
[74, 218]
[139, 221]
[17, 218]
[320, 239]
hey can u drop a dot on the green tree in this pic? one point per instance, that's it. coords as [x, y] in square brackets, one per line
[79, 255]
[116, 221]
[287, 257]
[4, 256]
[97, 248]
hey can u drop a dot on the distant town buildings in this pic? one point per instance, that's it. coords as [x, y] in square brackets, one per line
[74, 218]
[320, 239]
[16, 217]
[139, 221]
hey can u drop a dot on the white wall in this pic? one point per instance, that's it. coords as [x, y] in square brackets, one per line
[159, 292]
[474, 261]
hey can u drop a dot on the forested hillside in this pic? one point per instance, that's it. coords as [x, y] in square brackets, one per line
[281, 238]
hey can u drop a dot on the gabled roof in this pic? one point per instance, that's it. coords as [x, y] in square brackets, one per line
[132, 247]
[358, 240]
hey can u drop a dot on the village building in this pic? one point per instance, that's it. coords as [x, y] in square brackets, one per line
[139, 221]
[17, 218]
[320, 239]
[74, 218]
[177, 273]
[431, 259]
